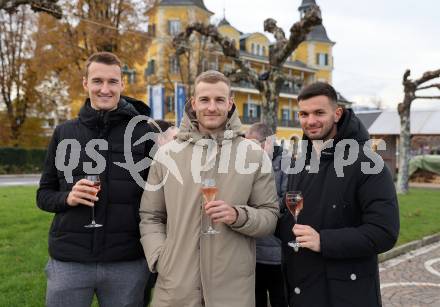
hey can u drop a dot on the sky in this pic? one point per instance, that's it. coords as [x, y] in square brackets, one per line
[376, 41]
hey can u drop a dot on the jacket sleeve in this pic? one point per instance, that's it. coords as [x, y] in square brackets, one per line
[379, 227]
[259, 217]
[153, 217]
[283, 190]
[49, 196]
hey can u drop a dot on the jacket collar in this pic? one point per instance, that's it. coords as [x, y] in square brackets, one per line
[127, 108]
[189, 128]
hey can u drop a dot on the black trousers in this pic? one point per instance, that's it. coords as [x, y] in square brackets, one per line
[269, 279]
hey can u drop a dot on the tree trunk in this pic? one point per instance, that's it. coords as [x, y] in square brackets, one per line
[404, 150]
[269, 109]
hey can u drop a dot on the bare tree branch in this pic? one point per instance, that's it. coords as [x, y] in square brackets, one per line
[298, 32]
[228, 46]
[48, 6]
[437, 85]
[270, 82]
[427, 97]
[429, 75]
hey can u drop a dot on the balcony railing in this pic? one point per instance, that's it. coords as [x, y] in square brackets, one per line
[281, 122]
[284, 89]
[288, 123]
[249, 120]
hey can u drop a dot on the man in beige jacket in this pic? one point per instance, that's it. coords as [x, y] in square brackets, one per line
[207, 270]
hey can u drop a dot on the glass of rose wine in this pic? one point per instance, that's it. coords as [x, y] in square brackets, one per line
[294, 202]
[209, 191]
[97, 186]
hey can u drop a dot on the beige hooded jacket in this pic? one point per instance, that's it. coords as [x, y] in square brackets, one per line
[198, 270]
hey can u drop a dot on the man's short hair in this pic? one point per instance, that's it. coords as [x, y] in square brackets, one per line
[262, 130]
[212, 76]
[103, 57]
[160, 124]
[319, 89]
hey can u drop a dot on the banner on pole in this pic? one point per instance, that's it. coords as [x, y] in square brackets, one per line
[179, 98]
[156, 101]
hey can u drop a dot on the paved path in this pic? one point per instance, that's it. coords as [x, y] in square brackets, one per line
[413, 279]
[14, 180]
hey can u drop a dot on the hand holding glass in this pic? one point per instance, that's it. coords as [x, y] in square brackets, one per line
[209, 191]
[97, 186]
[294, 202]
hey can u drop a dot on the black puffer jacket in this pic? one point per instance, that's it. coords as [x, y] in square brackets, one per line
[357, 218]
[268, 249]
[119, 198]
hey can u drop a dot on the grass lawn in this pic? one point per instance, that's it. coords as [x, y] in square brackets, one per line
[24, 228]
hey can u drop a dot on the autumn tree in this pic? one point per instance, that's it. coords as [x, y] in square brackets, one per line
[63, 46]
[48, 6]
[270, 82]
[17, 81]
[411, 90]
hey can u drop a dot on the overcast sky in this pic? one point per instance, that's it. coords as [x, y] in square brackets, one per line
[376, 40]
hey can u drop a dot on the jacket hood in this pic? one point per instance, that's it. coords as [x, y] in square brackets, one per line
[350, 127]
[127, 108]
[189, 128]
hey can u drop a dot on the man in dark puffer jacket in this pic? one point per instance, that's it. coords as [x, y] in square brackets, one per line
[108, 260]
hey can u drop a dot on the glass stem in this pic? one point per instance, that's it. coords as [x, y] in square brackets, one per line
[93, 214]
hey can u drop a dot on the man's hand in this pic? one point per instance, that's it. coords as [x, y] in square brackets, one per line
[219, 211]
[83, 193]
[307, 237]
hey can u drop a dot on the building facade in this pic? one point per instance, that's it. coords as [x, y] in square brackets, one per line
[311, 61]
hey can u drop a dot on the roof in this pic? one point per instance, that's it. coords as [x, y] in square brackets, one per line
[368, 117]
[223, 22]
[198, 3]
[319, 33]
[422, 122]
[343, 101]
[306, 3]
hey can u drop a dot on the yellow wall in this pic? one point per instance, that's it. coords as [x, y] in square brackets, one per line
[231, 33]
[257, 38]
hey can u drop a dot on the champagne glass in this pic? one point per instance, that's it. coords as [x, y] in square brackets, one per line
[97, 186]
[294, 202]
[209, 191]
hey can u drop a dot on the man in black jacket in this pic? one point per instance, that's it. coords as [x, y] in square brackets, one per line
[350, 210]
[107, 261]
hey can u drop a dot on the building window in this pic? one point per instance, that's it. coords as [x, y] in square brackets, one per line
[174, 65]
[252, 110]
[253, 48]
[258, 50]
[150, 68]
[263, 51]
[285, 114]
[152, 30]
[169, 104]
[295, 115]
[174, 27]
[322, 59]
[130, 74]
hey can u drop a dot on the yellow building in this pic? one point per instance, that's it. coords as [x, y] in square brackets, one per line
[312, 61]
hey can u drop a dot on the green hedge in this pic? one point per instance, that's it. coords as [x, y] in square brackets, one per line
[21, 160]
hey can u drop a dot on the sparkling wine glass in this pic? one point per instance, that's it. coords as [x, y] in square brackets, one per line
[209, 191]
[97, 186]
[294, 202]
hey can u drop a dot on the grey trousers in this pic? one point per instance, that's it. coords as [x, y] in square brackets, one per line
[116, 284]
